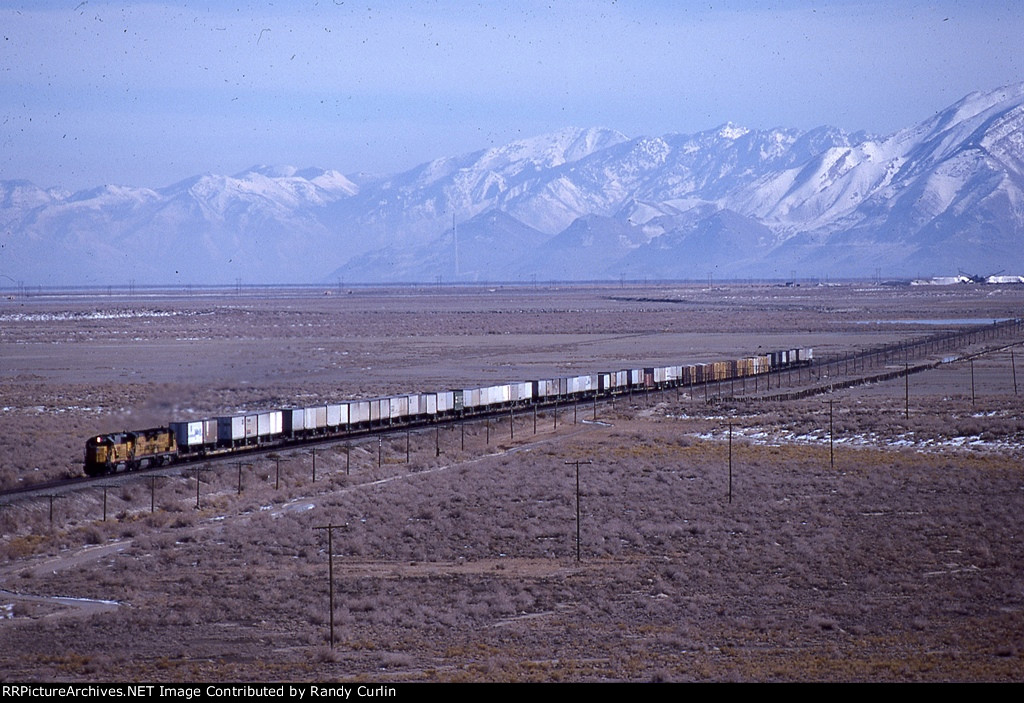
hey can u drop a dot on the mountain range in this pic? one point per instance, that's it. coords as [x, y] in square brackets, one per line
[578, 204]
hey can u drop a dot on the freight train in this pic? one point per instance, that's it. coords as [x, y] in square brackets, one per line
[197, 439]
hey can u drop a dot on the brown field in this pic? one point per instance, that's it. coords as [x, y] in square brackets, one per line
[903, 562]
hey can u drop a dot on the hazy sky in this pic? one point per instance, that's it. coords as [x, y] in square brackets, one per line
[147, 93]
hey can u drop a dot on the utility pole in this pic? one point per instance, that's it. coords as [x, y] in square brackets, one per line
[577, 462]
[277, 475]
[198, 481]
[330, 569]
[1013, 367]
[152, 493]
[240, 464]
[831, 438]
[831, 435]
[52, 496]
[730, 463]
[972, 382]
[906, 390]
[105, 501]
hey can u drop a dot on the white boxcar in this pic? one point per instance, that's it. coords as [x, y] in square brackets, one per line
[316, 417]
[428, 402]
[524, 390]
[398, 407]
[337, 414]
[415, 405]
[269, 424]
[659, 374]
[579, 384]
[358, 411]
[445, 401]
[545, 388]
[498, 395]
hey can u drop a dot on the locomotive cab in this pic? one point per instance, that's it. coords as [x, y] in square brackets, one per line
[99, 455]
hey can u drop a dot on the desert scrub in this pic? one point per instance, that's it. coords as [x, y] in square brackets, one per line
[23, 546]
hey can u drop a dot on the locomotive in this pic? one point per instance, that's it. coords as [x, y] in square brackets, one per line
[196, 439]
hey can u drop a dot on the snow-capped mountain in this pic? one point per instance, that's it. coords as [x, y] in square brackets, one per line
[942, 195]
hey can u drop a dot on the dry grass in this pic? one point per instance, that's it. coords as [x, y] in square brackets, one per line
[901, 564]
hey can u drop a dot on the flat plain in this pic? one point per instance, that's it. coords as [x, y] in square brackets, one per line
[885, 550]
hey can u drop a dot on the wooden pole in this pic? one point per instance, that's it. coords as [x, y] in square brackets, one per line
[330, 528]
[1013, 367]
[906, 390]
[577, 462]
[831, 437]
[972, 382]
[198, 481]
[730, 463]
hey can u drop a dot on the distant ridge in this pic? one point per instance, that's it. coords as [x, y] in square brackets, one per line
[577, 204]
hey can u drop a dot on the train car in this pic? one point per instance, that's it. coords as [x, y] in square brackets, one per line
[269, 425]
[337, 415]
[445, 402]
[397, 408]
[195, 435]
[231, 430]
[128, 451]
[294, 422]
[417, 406]
[358, 413]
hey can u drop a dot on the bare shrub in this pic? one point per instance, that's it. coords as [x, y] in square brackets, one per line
[394, 660]
[93, 535]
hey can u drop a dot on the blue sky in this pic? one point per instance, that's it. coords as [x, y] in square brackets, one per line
[147, 93]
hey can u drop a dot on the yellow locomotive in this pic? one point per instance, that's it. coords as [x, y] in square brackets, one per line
[127, 451]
